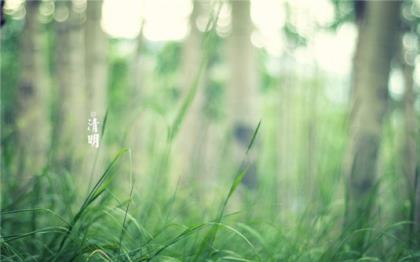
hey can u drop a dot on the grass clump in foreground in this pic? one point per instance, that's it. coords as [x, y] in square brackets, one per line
[177, 226]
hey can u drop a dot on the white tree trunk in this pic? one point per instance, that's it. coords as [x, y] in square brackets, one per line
[190, 139]
[71, 130]
[374, 51]
[409, 149]
[96, 61]
[33, 129]
[243, 84]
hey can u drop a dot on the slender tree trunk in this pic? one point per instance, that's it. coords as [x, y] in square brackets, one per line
[32, 116]
[409, 150]
[136, 68]
[96, 71]
[285, 135]
[416, 218]
[243, 84]
[96, 62]
[137, 133]
[374, 51]
[312, 137]
[191, 134]
[71, 127]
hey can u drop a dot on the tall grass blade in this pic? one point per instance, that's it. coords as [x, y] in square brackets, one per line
[208, 240]
[97, 190]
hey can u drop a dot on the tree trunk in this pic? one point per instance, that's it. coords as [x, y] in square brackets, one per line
[96, 66]
[243, 84]
[32, 117]
[374, 51]
[137, 136]
[96, 80]
[191, 134]
[416, 218]
[71, 127]
[409, 150]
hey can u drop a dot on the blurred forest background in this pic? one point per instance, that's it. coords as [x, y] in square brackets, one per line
[263, 130]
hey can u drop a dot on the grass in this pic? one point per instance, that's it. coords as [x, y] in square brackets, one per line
[108, 228]
[119, 221]
[68, 241]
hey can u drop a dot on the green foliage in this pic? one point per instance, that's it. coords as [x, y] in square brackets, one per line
[168, 59]
[214, 93]
[9, 65]
[293, 35]
[344, 13]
